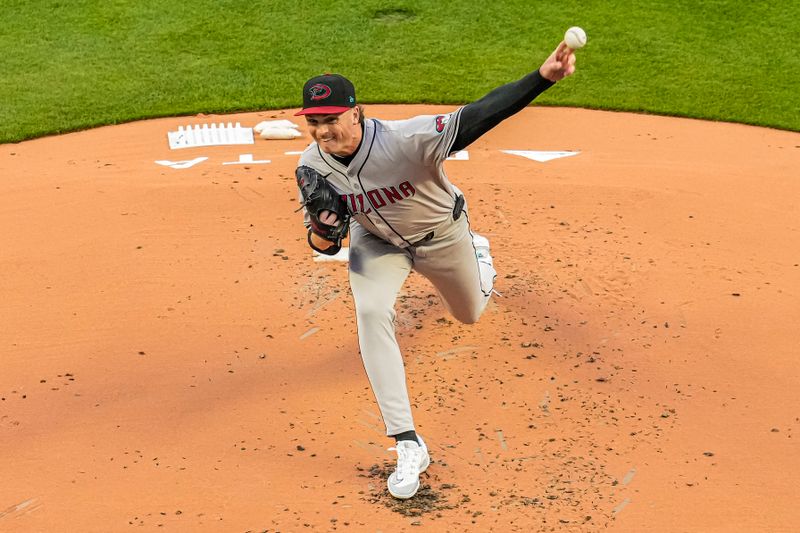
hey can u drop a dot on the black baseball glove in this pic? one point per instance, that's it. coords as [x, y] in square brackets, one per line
[318, 196]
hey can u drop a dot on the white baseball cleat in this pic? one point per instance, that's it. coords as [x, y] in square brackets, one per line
[485, 263]
[481, 245]
[412, 460]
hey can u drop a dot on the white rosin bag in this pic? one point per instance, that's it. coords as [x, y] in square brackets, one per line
[277, 129]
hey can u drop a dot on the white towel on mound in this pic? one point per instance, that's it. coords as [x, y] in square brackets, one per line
[277, 124]
[280, 133]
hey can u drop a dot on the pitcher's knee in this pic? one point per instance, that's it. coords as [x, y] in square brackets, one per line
[374, 313]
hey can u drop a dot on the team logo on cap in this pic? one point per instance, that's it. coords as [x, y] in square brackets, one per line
[320, 91]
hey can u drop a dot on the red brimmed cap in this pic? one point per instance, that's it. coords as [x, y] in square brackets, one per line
[327, 94]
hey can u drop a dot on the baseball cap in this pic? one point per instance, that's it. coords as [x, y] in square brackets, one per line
[327, 94]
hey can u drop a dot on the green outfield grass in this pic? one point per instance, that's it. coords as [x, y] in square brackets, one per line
[74, 64]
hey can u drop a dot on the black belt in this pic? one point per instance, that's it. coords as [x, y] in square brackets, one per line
[458, 208]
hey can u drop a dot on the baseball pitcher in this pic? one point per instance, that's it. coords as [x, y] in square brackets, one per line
[383, 181]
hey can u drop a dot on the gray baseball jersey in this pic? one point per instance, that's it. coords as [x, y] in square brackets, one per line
[403, 219]
[395, 185]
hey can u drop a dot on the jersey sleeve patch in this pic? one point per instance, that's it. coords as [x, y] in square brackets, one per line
[441, 122]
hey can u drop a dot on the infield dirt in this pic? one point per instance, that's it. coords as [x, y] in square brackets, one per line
[171, 358]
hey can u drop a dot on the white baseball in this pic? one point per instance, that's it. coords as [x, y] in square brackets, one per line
[575, 37]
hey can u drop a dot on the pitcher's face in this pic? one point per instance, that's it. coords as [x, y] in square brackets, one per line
[337, 134]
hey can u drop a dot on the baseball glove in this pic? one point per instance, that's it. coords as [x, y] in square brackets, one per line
[318, 196]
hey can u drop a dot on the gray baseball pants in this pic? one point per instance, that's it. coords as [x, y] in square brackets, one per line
[378, 270]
